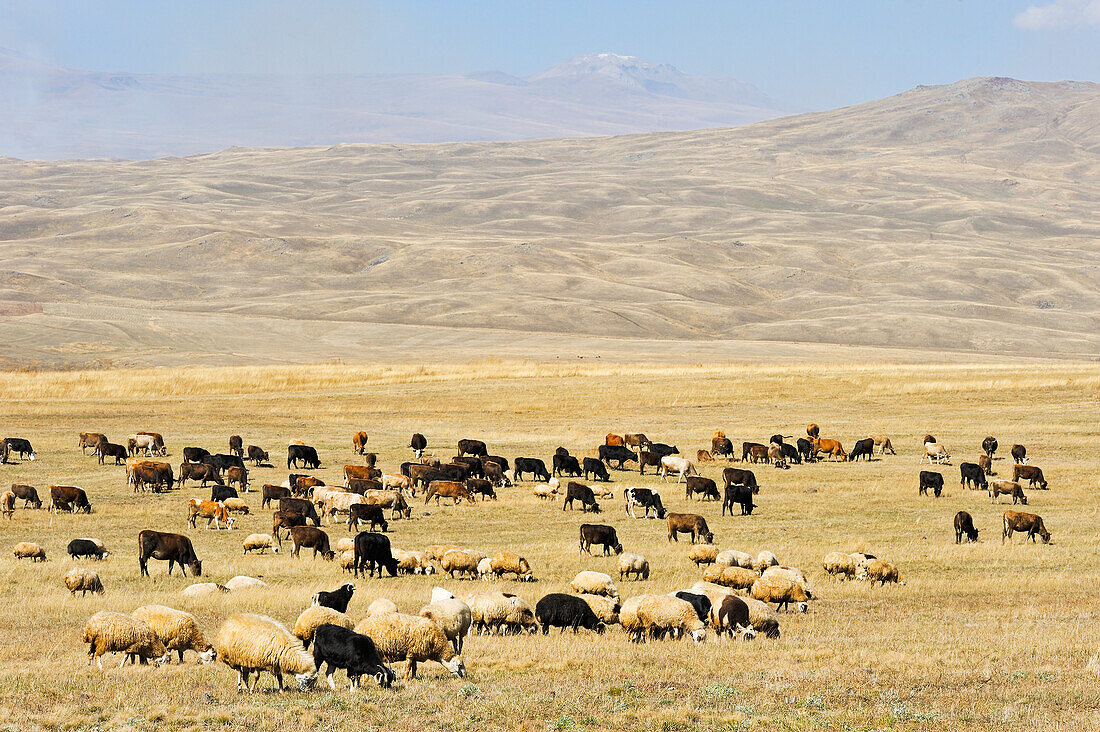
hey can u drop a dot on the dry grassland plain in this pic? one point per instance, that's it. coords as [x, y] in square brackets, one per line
[984, 636]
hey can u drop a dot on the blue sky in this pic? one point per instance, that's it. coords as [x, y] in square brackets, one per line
[812, 55]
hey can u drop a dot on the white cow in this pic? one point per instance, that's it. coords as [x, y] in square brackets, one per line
[935, 452]
[680, 465]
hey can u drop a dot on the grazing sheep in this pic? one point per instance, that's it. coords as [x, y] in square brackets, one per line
[346, 544]
[662, 615]
[699, 600]
[716, 593]
[381, 606]
[881, 572]
[337, 599]
[738, 578]
[498, 611]
[733, 618]
[436, 551]
[314, 617]
[763, 618]
[413, 562]
[236, 505]
[241, 582]
[734, 558]
[339, 647]
[250, 644]
[782, 592]
[260, 543]
[548, 491]
[179, 631]
[453, 617]
[463, 561]
[203, 589]
[703, 554]
[347, 561]
[439, 594]
[504, 563]
[594, 583]
[794, 575]
[84, 581]
[764, 560]
[839, 565]
[629, 620]
[485, 569]
[110, 632]
[559, 610]
[633, 564]
[411, 638]
[29, 550]
[605, 608]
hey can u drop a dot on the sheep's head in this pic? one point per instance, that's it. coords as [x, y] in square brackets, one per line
[699, 635]
[163, 659]
[385, 676]
[306, 681]
[456, 667]
[274, 550]
[208, 656]
[747, 633]
[803, 606]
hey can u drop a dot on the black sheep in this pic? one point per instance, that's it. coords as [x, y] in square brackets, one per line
[698, 600]
[338, 599]
[351, 651]
[560, 610]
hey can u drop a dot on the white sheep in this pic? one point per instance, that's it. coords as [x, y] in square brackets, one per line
[633, 564]
[242, 582]
[736, 577]
[82, 580]
[317, 615]
[764, 560]
[436, 551]
[439, 594]
[485, 569]
[763, 618]
[453, 618]
[260, 543]
[381, 606]
[236, 505]
[703, 554]
[628, 618]
[493, 612]
[29, 550]
[503, 563]
[782, 592]
[462, 561]
[347, 561]
[111, 632]
[179, 631]
[250, 644]
[734, 558]
[401, 637]
[412, 562]
[839, 565]
[661, 615]
[879, 571]
[791, 573]
[345, 544]
[547, 491]
[605, 608]
[203, 589]
[594, 583]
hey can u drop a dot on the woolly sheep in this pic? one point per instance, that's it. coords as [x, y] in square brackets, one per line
[881, 572]
[545, 491]
[401, 637]
[463, 561]
[436, 551]
[628, 618]
[346, 544]
[661, 615]
[315, 616]
[763, 618]
[485, 569]
[716, 593]
[453, 618]
[439, 594]
[602, 490]
[605, 608]
[633, 564]
[594, 583]
[782, 592]
[250, 643]
[791, 573]
[203, 589]
[347, 561]
[503, 563]
[493, 612]
[177, 630]
[413, 562]
[734, 618]
[734, 558]
[260, 543]
[839, 565]
[736, 577]
[111, 632]
[236, 505]
[84, 581]
[241, 582]
[703, 554]
[29, 550]
[381, 606]
[764, 560]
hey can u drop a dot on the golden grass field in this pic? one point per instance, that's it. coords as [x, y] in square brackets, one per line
[981, 636]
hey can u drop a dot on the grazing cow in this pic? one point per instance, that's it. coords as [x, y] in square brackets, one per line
[273, 493]
[301, 506]
[1031, 474]
[646, 499]
[494, 473]
[790, 453]
[372, 551]
[813, 431]
[285, 520]
[637, 440]
[236, 445]
[7, 505]
[682, 466]
[617, 454]
[568, 465]
[594, 467]
[989, 446]
[582, 493]
[964, 526]
[864, 448]
[86, 548]
[452, 489]
[740, 476]
[935, 452]
[365, 472]
[393, 481]
[221, 492]
[472, 447]
[703, 456]
[646, 458]
[362, 485]
[1000, 488]
[614, 440]
[359, 442]
[311, 538]
[195, 454]
[140, 442]
[158, 442]
[200, 472]
[69, 498]
[365, 513]
[237, 475]
[222, 462]
[882, 442]
[602, 535]
[213, 511]
[502, 461]
[930, 479]
[689, 523]
[303, 454]
[481, 487]
[705, 487]
[393, 500]
[1029, 522]
[986, 464]
[972, 476]
[90, 439]
[28, 494]
[475, 468]
[805, 449]
[142, 473]
[534, 466]
[418, 444]
[173, 548]
[776, 457]
[737, 494]
[662, 449]
[21, 446]
[754, 450]
[832, 448]
[110, 449]
[721, 446]
[1019, 454]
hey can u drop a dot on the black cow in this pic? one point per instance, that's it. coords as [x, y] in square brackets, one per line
[110, 449]
[617, 454]
[303, 454]
[805, 449]
[356, 653]
[221, 462]
[472, 447]
[651, 459]
[646, 499]
[481, 487]
[474, 466]
[662, 449]
[195, 454]
[964, 525]
[863, 448]
[493, 473]
[582, 493]
[372, 551]
[567, 464]
[86, 548]
[930, 479]
[273, 493]
[338, 599]
[698, 485]
[221, 492]
[721, 446]
[596, 468]
[746, 449]
[418, 443]
[1019, 454]
[366, 514]
[21, 446]
[559, 610]
[256, 455]
[738, 494]
[600, 534]
[989, 446]
[790, 453]
[740, 476]
[173, 548]
[300, 506]
[501, 461]
[972, 476]
[535, 466]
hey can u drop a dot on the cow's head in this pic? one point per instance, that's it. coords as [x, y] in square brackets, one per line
[195, 567]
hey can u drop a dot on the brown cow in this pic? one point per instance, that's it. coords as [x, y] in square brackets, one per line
[986, 464]
[1029, 522]
[238, 475]
[175, 548]
[365, 472]
[273, 493]
[90, 439]
[69, 498]
[7, 504]
[359, 442]
[362, 485]
[311, 538]
[142, 473]
[285, 520]
[637, 440]
[109, 449]
[813, 431]
[303, 485]
[236, 446]
[212, 511]
[648, 458]
[612, 439]
[759, 453]
[832, 447]
[452, 489]
[393, 500]
[1031, 474]
[689, 523]
[200, 472]
[703, 456]
[158, 440]
[27, 493]
[257, 455]
[998, 488]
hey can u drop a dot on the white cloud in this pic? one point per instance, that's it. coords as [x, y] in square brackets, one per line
[1061, 15]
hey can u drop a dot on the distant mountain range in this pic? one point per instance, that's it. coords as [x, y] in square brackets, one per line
[55, 113]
